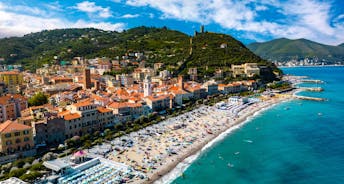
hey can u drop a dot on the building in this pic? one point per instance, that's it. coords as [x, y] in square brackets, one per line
[87, 79]
[157, 66]
[193, 73]
[85, 117]
[12, 80]
[11, 106]
[49, 131]
[211, 87]
[238, 70]
[245, 70]
[125, 111]
[47, 127]
[58, 80]
[159, 103]
[251, 69]
[147, 87]
[15, 137]
[235, 87]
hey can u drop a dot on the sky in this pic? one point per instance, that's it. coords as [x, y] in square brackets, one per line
[247, 20]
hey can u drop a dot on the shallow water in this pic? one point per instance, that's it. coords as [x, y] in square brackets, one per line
[293, 142]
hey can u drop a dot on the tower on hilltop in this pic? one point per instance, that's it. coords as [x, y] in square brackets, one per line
[202, 29]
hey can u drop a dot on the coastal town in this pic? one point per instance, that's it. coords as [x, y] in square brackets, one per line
[81, 100]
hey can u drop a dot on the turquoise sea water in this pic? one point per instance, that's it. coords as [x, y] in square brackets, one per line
[293, 142]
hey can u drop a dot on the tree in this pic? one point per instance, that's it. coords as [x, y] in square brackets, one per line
[38, 99]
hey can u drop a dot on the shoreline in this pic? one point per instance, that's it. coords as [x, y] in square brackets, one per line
[310, 66]
[164, 174]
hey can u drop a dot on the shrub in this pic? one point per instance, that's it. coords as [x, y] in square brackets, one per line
[17, 172]
[37, 167]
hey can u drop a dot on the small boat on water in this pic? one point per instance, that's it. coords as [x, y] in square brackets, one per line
[236, 153]
[209, 131]
[230, 165]
[248, 141]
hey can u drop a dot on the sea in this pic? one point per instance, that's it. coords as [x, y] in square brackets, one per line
[296, 141]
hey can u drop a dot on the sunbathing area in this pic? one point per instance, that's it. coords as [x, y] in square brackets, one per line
[157, 149]
[146, 155]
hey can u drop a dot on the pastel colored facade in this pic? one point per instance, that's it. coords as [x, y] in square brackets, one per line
[11, 106]
[12, 80]
[159, 103]
[245, 70]
[125, 111]
[15, 137]
[47, 127]
[251, 69]
[231, 88]
[85, 117]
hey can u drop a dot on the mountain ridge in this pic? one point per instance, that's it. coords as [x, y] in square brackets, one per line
[284, 49]
[207, 51]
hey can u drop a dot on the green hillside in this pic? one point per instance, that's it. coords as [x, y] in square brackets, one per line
[285, 49]
[158, 44]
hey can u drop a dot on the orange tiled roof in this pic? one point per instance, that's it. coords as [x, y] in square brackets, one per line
[11, 126]
[83, 103]
[63, 113]
[9, 73]
[71, 116]
[157, 98]
[103, 110]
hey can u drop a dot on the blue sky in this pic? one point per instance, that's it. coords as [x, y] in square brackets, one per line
[247, 20]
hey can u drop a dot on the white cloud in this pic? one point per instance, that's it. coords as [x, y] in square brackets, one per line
[18, 24]
[128, 16]
[151, 15]
[92, 9]
[309, 19]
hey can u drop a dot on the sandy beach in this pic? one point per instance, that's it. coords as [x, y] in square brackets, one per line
[158, 149]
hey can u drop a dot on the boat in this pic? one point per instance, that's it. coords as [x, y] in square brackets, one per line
[209, 131]
[248, 141]
[230, 165]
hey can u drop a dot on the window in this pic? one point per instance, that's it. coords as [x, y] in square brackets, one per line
[17, 134]
[25, 132]
[8, 142]
[26, 139]
[18, 141]
[8, 135]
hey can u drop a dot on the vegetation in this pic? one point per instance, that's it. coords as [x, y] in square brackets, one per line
[284, 50]
[280, 85]
[158, 45]
[27, 169]
[38, 99]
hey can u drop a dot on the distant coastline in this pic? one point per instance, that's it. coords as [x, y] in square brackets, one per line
[310, 66]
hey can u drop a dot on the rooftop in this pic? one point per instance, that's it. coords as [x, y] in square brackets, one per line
[11, 126]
